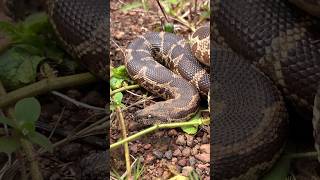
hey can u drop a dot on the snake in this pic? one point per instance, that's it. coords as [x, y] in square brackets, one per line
[281, 39]
[273, 49]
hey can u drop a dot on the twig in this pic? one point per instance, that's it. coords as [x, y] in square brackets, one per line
[312, 154]
[124, 136]
[77, 103]
[161, 8]
[56, 124]
[155, 127]
[44, 86]
[123, 89]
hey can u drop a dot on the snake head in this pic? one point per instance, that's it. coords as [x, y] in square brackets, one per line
[149, 117]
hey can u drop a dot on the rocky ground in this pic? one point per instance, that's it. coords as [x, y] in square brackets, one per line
[165, 151]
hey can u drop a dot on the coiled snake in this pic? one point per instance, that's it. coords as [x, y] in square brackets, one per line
[249, 118]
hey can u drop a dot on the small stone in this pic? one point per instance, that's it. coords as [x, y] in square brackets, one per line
[172, 132]
[192, 161]
[205, 148]
[119, 35]
[194, 151]
[189, 140]
[134, 148]
[181, 140]
[205, 138]
[187, 170]
[157, 153]
[168, 154]
[186, 152]
[203, 166]
[177, 153]
[174, 160]
[166, 175]
[159, 172]
[147, 146]
[182, 162]
[203, 157]
[149, 158]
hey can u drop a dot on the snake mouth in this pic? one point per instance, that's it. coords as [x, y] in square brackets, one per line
[149, 117]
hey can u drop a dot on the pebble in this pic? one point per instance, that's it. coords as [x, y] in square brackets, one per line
[177, 153]
[147, 146]
[187, 170]
[172, 132]
[203, 166]
[166, 175]
[119, 35]
[205, 138]
[194, 151]
[174, 160]
[192, 161]
[157, 153]
[189, 140]
[205, 148]
[134, 148]
[181, 140]
[182, 162]
[168, 154]
[203, 157]
[159, 172]
[186, 152]
[149, 158]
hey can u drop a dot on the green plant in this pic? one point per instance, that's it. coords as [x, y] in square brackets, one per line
[26, 113]
[32, 42]
[135, 4]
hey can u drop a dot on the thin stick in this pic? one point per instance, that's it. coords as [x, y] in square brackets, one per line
[77, 103]
[44, 86]
[155, 127]
[124, 89]
[126, 146]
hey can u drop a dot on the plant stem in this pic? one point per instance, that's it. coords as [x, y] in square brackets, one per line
[155, 127]
[124, 89]
[312, 154]
[44, 86]
[126, 146]
[25, 144]
[34, 166]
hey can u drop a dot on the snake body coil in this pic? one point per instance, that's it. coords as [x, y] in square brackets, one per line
[249, 118]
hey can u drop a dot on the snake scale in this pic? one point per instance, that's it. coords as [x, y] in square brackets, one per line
[249, 124]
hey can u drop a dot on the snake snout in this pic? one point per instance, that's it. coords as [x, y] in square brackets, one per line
[150, 117]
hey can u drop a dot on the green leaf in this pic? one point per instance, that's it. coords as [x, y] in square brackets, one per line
[8, 28]
[9, 144]
[117, 98]
[41, 140]
[130, 6]
[115, 83]
[36, 22]
[18, 68]
[7, 121]
[194, 128]
[280, 170]
[27, 128]
[120, 72]
[27, 111]
[168, 27]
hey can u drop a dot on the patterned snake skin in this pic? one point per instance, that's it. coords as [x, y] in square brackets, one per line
[249, 118]
[282, 41]
[82, 27]
[180, 86]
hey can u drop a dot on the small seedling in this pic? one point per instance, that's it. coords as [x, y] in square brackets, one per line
[25, 115]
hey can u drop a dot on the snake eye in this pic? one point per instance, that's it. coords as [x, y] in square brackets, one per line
[149, 116]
